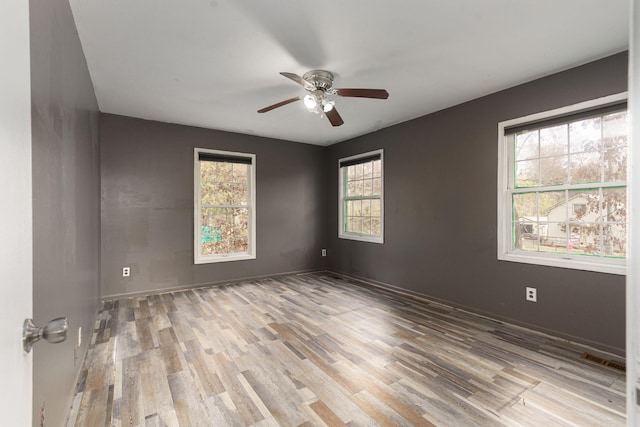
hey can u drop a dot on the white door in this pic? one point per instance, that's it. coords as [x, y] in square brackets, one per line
[633, 266]
[15, 213]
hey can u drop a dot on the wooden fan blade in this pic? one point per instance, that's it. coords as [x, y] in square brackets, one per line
[363, 93]
[279, 104]
[296, 78]
[334, 117]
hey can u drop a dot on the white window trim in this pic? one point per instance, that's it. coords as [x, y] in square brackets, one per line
[357, 236]
[198, 258]
[603, 265]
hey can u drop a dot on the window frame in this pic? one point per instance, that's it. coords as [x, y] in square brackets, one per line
[504, 227]
[198, 258]
[342, 234]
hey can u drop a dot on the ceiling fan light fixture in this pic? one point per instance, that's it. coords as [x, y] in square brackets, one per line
[327, 105]
[310, 101]
[319, 84]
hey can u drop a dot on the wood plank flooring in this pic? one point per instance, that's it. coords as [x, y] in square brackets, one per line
[313, 349]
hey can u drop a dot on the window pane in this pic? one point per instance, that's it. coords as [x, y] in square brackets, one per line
[375, 226]
[614, 205]
[375, 208]
[526, 227]
[615, 164]
[366, 225]
[555, 239]
[614, 240]
[377, 168]
[225, 171]
[224, 193]
[359, 188]
[615, 129]
[527, 146]
[354, 224]
[527, 173]
[215, 227]
[552, 206]
[351, 188]
[584, 135]
[207, 171]
[367, 187]
[351, 172]
[357, 208]
[554, 170]
[240, 172]
[584, 206]
[525, 207]
[366, 207]
[377, 187]
[585, 238]
[207, 193]
[585, 167]
[240, 193]
[554, 141]
[359, 171]
[526, 234]
[367, 170]
[240, 246]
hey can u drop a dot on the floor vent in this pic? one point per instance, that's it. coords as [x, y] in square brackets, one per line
[604, 362]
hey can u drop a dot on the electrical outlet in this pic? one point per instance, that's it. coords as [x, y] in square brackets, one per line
[126, 271]
[324, 252]
[532, 294]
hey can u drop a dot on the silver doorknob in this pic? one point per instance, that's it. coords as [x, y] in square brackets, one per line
[54, 332]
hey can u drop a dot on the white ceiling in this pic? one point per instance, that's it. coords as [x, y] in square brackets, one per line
[214, 63]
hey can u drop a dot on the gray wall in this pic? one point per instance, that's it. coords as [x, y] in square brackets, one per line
[66, 188]
[147, 205]
[441, 214]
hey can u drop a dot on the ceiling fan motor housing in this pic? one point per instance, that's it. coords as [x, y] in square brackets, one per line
[321, 79]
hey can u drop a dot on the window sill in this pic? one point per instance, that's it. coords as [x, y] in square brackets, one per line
[602, 265]
[361, 238]
[223, 258]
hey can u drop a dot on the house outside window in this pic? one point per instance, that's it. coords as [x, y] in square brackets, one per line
[224, 201]
[562, 197]
[361, 204]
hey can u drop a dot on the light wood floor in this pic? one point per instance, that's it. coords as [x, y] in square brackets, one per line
[313, 349]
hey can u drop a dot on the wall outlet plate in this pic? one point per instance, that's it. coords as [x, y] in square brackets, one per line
[324, 252]
[126, 271]
[532, 294]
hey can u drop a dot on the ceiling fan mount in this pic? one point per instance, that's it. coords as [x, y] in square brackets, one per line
[320, 79]
[319, 84]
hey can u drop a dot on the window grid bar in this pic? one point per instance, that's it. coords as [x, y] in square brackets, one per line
[560, 187]
[209, 206]
[376, 197]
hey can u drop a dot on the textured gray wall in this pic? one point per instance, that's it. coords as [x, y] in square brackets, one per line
[66, 204]
[441, 214]
[147, 205]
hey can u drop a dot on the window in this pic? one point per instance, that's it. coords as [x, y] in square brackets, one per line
[224, 218]
[361, 204]
[562, 196]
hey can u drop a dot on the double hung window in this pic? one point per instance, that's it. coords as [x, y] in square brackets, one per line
[224, 206]
[562, 197]
[361, 204]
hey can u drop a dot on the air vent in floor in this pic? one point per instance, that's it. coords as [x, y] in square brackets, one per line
[605, 362]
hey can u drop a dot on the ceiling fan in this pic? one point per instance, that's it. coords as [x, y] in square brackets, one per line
[319, 84]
